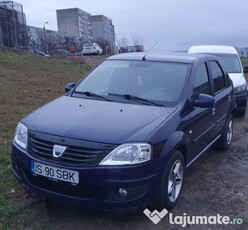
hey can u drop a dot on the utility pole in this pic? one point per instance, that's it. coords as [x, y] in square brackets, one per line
[45, 38]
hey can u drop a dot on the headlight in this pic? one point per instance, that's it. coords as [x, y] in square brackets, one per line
[21, 135]
[240, 89]
[128, 154]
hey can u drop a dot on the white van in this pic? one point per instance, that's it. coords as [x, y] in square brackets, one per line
[231, 62]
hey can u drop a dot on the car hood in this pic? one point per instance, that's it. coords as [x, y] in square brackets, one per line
[95, 120]
[237, 79]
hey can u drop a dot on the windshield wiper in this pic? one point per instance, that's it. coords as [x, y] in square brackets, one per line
[135, 98]
[90, 94]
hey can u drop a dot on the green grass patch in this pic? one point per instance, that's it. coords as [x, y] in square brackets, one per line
[12, 215]
[26, 83]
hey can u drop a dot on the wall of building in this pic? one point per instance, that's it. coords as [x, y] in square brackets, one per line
[102, 28]
[97, 30]
[54, 40]
[68, 22]
[84, 25]
[76, 22]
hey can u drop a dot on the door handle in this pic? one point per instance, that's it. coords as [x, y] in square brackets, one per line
[229, 98]
[213, 111]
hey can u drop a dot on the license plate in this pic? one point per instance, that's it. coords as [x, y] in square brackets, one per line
[55, 173]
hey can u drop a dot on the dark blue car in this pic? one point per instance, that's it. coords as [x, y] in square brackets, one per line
[122, 137]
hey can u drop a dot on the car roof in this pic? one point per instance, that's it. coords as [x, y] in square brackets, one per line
[169, 57]
[212, 49]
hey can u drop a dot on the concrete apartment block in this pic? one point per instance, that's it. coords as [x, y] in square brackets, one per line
[102, 28]
[74, 22]
[79, 23]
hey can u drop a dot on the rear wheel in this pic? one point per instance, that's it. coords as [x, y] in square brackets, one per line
[172, 182]
[226, 138]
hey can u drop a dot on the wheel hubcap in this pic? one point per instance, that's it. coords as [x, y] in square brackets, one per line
[229, 133]
[175, 180]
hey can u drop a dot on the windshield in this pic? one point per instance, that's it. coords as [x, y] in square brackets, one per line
[161, 82]
[230, 62]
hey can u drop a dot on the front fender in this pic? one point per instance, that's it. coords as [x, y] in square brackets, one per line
[177, 140]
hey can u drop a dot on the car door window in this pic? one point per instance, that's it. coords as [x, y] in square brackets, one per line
[218, 76]
[201, 82]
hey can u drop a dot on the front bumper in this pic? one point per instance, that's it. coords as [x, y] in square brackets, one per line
[241, 100]
[98, 186]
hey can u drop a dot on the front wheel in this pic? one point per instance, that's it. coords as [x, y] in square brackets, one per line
[226, 137]
[172, 182]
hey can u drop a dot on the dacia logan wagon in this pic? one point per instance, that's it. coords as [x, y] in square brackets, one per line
[121, 138]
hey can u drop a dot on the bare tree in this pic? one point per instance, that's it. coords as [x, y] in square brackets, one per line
[137, 40]
[124, 42]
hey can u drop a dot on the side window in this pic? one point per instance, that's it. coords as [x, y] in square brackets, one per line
[201, 83]
[218, 77]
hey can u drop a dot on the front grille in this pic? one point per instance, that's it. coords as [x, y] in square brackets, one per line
[77, 153]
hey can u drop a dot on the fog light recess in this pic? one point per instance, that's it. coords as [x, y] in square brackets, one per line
[123, 192]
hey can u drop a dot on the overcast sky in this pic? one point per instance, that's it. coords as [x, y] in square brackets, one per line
[175, 24]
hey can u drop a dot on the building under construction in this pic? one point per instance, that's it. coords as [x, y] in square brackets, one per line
[13, 32]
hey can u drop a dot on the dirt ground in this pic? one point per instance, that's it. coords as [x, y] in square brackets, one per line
[91, 60]
[216, 184]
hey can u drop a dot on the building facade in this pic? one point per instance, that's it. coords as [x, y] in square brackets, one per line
[79, 23]
[74, 22]
[102, 29]
[54, 40]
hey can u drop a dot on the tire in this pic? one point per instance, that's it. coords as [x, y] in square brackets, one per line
[226, 138]
[170, 190]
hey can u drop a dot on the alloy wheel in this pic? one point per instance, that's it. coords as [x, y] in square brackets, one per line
[229, 132]
[175, 180]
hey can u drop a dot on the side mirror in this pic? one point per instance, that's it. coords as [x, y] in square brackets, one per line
[204, 101]
[246, 69]
[69, 87]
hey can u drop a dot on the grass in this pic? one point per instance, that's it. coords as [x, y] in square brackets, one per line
[26, 83]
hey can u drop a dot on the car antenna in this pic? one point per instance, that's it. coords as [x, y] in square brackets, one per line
[144, 58]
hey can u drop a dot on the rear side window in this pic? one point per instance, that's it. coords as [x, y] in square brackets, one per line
[201, 83]
[218, 76]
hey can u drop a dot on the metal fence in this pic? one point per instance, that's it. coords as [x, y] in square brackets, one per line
[13, 31]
